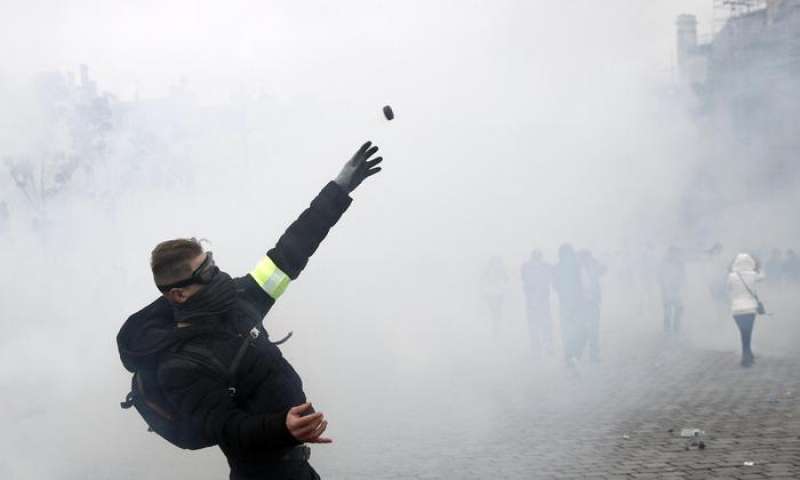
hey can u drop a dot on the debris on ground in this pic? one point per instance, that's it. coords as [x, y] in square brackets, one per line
[695, 437]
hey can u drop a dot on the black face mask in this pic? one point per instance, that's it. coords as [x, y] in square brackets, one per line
[214, 299]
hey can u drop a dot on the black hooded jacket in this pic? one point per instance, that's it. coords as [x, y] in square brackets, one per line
[250, 427]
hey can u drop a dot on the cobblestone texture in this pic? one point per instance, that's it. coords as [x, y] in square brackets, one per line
[620, 420]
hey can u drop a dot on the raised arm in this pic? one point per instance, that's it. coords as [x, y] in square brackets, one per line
[284, 262]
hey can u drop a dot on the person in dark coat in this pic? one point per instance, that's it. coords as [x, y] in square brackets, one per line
[537, 277]
[261, 424]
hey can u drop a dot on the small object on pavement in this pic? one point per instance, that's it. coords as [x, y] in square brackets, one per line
[388, 112]
[749, 464]
[626, 436]
[695, 437]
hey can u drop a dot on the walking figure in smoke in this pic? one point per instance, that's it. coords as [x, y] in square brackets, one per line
[205, 370]
[774, 267]
[791, 267]
[591, 270]
[537, 276]
[745, 271]
[567, 284]
[494, 283]
[672, 280]
[4, 215]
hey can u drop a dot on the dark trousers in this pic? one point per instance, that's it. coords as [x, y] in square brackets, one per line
[745, 324]
[286, 470]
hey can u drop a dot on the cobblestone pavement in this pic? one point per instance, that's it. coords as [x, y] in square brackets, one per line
[620, 420]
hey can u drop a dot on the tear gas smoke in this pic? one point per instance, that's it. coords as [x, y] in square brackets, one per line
[524, 125]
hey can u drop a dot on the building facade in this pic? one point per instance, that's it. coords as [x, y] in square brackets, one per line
[744, 85]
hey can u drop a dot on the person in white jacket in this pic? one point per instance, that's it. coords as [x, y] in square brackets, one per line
[745, 271]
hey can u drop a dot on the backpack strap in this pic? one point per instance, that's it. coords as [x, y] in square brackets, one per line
[128, 402]
[284, 339]
[246, 341]
[137, 388]
[204, 357]
[153, 405]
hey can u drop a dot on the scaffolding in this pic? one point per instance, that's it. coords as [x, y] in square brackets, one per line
[775, 47]
[724, 10]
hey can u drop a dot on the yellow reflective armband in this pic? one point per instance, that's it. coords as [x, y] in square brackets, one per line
[269, 277]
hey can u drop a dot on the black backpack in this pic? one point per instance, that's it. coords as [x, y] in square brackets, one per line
[161, 417]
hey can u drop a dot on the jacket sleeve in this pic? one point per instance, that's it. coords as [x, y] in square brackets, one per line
[284, 262]
[204, 401]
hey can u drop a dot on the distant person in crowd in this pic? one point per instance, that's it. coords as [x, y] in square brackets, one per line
[672, 281]
[647, 274]
[537, 277]
[494, 282]
[717, 283]
[591, 270]
[4, 217]
[718, 291]
[567, 283]
[791, 267]
[640, 277]
[745, 271]
[773, 267]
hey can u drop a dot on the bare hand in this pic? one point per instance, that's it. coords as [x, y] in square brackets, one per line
[306, 425]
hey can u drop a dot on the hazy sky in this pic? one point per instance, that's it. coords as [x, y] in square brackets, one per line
[295, 47]
[525, 81]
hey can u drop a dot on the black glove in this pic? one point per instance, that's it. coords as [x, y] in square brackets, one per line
[358, 168]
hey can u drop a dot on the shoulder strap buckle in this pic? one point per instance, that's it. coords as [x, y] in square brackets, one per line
[128, 403]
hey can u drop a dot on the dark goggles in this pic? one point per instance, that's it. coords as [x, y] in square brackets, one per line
[203, 275]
